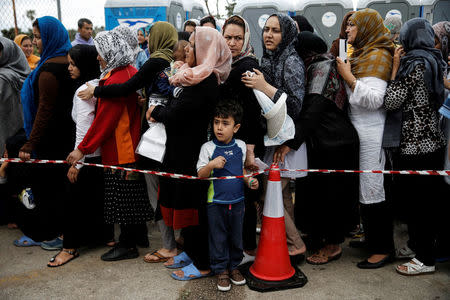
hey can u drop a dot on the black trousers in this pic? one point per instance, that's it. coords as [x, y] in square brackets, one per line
[196, 241]
[428, 198]
[83, 209]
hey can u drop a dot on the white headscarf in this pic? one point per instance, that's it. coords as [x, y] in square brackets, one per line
[130, 37]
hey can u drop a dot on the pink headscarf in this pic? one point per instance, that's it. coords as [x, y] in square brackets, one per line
[212, 56]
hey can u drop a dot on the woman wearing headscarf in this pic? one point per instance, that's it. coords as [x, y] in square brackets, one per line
[142, 38]
[13, 72]
[47, 103]
[86, 194]
[342, 35]
[366, 74]
[116, 128]
[133, 41]
[416, 89]
[236, 32]
[183, 202]
[24, 42]
[283, 73]
[332, 143]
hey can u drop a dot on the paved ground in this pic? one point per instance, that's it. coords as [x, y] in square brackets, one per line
[24, 275]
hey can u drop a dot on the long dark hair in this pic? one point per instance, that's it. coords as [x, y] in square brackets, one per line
[85, 58]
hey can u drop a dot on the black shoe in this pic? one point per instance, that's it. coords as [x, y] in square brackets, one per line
[119, 253]
[368, 265]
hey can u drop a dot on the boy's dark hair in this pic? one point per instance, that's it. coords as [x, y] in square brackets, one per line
[208, 19]
[183, 35]
[229, 108]
[82, 21]
[303, 23]
[189, 23]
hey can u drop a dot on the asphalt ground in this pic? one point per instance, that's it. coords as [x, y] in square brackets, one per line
[24, 275]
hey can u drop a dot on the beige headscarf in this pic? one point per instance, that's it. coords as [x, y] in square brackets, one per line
[373, 52]
[161, 40]
[212, 55]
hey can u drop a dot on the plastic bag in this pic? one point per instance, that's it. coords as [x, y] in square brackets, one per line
[153, 142]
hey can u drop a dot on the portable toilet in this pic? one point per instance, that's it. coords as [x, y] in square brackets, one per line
[435, 11]
[406, 9]
[195, 9]
[140, 13]
[326, 18]
[256, 12]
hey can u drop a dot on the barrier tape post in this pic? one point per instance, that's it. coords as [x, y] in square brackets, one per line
[182, 176]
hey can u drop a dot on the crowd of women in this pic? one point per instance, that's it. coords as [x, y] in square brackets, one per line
[385, 107]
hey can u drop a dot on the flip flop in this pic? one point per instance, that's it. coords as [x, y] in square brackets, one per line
[25, 241]
[180, 261]
[328, 259]
[74, 253]
[188, 271]
[161, 258]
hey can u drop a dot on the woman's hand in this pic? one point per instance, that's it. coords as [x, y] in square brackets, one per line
[24, 156]
[399, 52]
[141, 101]
[88, 93]
[72, 174]
[148, 114]
[280, 153]
[254, 80]
[344, 68]
[74, 157]
[447, 83]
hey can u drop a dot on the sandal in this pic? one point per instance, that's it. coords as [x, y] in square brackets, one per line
[74, 254]
[188, 271]
[415, 267]
[180, 261]
[161, 258]
[322, 255]
[25, 241]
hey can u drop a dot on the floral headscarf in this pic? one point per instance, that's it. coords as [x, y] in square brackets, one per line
[129, 37]
[373, 52]
[247, 49]
[212, 56]
[113, 48]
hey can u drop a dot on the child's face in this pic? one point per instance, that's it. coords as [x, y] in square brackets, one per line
[179, 54]
[225, 128]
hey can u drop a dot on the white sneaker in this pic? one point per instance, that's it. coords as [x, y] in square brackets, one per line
[415, 267]
[247, 258]
[405, 252]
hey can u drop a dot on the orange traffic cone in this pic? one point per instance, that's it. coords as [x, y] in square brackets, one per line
[272, 269]
[272, 242]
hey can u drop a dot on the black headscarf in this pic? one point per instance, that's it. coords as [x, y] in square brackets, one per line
[303, 23]
[309, 43]
[85, 58]
[417, 39]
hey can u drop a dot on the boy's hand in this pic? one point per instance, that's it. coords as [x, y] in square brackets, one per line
[253, 183]
[218, 162]
[73, 174]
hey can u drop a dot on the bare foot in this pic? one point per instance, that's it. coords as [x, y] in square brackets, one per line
[298, 251]
[180, 273]
[377, 258]
[62, 257]
[333, 250]
[163, 251]
[320, 257]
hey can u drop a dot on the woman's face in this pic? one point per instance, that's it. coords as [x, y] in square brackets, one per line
[190, 54]
[73, 69]
[351, 31]
[37, 39]
[101, 61]
[272, 33]
[141, 37]
[27, 47]
[234, 35]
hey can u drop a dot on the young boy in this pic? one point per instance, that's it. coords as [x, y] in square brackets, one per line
[225, 156]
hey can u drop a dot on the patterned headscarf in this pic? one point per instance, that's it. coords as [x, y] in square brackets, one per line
[417, 38]
[247, 49]
[373, 48]
[272, 62]
[212, 55]
[442, 32]
[55, 42]
[130, 37]
[161, 40]
[113, 48]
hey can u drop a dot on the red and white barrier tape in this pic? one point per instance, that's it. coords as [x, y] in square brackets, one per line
[181, 176]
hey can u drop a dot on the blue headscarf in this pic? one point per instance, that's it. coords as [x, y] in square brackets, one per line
[55, 42]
